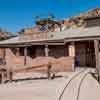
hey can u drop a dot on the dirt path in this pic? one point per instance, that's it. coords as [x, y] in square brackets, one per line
[51, 89]
[89, 88]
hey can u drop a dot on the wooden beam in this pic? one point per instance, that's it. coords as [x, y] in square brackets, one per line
[49, 71]
[46, 50]
[25, 55]
[2, 77]
[49, 65]
[72, 49]
[17, 53]
[96, 46]
[4, 55]
[81, 39]
[9, 73]
[72, 53]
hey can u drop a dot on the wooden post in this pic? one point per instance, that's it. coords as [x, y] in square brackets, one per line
[7, 68]
[48, 71]
[49, 65]
[4, 55]
[72, 49]
[17, 53]
[72, 53]
[96, 46]
[2, 77]
[9, 73]
[46, 51]
[25, 55]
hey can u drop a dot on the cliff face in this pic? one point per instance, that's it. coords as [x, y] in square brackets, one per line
[91, 13]
[78, 21]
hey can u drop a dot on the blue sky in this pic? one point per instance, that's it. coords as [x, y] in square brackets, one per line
[18, 14]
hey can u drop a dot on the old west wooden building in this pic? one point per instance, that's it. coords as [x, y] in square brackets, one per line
[62, 48]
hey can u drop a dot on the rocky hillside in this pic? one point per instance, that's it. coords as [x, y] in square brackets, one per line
[73, 22]
[78, 21]
[5, 35]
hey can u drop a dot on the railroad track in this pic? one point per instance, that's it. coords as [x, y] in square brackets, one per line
[80, 83]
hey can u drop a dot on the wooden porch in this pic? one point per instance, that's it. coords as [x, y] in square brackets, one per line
[40, 59]
[49, 58]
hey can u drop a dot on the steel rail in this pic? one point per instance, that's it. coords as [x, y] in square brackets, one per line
[67, 84]
[79, 88]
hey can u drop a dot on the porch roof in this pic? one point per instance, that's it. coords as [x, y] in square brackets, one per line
[57, 37]
[76, 33]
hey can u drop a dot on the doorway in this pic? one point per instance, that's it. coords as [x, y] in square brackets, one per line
[85, 54]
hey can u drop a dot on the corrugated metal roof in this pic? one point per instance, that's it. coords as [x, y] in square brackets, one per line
[17, 40]
[52, 36]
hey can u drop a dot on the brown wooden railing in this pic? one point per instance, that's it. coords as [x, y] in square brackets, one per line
[34, 36]
[58, 65]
